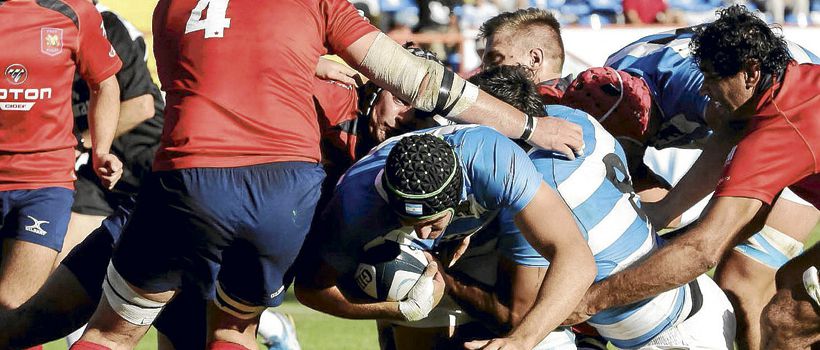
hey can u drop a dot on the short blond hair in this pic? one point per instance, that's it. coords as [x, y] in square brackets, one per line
[526, 20]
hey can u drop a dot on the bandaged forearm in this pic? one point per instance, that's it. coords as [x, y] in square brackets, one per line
[402, 73]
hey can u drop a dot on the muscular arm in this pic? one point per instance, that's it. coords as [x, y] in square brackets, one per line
[683, 259]
[550, 133]
[549, 227]
[132, 112]
[521, 285]
[103, 114]
[698, 182]
[318, 289]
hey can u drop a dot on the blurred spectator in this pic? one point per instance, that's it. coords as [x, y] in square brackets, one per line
[799, 10]
[475, 13]
[646, 11]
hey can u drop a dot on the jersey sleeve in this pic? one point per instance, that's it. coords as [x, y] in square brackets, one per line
[133, 77]
[681, 93]
[343, 24]
[96, 58]
[513, 246]
[764, 162]
[499, 171]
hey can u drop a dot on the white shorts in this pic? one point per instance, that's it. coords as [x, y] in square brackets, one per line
[712, 327]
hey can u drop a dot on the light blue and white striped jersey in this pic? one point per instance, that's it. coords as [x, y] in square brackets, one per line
[663, 60]
[497, 174]
[598, 190]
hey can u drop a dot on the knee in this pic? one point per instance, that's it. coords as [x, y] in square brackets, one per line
[786, 318]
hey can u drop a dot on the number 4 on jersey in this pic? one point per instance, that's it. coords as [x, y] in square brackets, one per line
[214, 26]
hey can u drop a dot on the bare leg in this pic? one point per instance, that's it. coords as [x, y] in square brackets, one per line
[79, 227]
[24, 269]
[791, 320]
[749, 284]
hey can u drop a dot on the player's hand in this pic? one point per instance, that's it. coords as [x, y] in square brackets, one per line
[331, 70]
[424, 295]
[108, 168]
[495, 344]
[558, 135]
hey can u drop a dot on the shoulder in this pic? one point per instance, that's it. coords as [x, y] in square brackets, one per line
[81, 11]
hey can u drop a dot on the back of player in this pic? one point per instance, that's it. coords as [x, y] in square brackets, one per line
[236, 177]
[271, 95]
[598, 189]
[663, 61]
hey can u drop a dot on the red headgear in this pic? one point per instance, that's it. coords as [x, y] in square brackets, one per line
[621, 102]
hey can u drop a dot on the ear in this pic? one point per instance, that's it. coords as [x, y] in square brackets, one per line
[752, 73]
[536, 56]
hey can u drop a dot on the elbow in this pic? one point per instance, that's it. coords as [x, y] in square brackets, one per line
[704, 256]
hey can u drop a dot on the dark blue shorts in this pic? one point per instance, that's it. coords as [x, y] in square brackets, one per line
[37, 216]
[240, 226]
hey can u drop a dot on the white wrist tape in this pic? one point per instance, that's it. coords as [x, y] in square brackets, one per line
[419, 301]
[812, 284]
[399, 71]
[126, 302]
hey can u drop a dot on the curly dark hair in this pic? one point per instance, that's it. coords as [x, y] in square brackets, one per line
[737, 37]
[422, 176]
[511, 84]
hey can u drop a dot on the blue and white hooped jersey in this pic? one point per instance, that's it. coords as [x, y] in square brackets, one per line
[664, 61]
[497, 174]
[598, 190]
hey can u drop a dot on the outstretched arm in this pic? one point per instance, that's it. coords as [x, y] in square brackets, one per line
[420, 81]
[681, 260]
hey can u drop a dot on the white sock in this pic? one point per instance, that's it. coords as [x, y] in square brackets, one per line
[270, 326]
[75, 336]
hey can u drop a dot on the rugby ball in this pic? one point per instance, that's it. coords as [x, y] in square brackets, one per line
[387, 271]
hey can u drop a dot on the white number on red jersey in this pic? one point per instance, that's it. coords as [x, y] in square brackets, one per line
[214, 25]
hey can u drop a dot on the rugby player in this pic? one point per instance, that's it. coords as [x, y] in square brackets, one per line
[51, 39]
[472, 173]
[598, 189]
[748, 70]
[220, 138]
[74, 288]
[649, 97]
[135, 140]
[530, 38]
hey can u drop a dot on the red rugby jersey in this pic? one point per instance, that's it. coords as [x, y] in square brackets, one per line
[44, 41]
[781, 150]
[239, 77]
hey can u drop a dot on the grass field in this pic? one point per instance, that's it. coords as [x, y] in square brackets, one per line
[318, 331]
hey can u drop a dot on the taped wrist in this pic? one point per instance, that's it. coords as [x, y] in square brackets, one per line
[126, 302]
[401, 72]
[419, 301]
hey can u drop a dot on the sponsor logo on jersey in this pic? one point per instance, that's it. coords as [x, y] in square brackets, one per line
[16, 74]
[21, 98]
[51, 41]
[36, 226]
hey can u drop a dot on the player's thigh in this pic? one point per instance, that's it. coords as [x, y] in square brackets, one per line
[713, 325]
[280, 206]
[793, 315]
[79, 227]
[32, 232]
[793, 216]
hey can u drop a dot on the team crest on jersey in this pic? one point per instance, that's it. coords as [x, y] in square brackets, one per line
[51, 41]
[16, 74]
